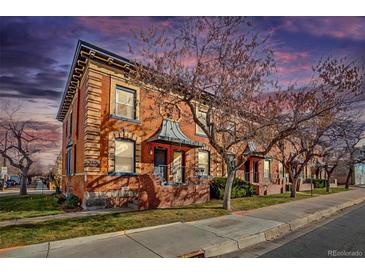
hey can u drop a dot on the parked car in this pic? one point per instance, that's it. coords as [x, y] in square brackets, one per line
[11, 183]
[16, 179]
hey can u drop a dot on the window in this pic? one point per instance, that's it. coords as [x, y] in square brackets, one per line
[125, 103]
[124, 156]
[202, 116]
[68, 161]
[247, 171]
[69, 125]
[256, 171]
[203, 163]
[309, 171]
[281, 170]
[267, 169]
[74, 159]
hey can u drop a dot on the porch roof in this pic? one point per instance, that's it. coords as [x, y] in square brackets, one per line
[251, 150]
[170, 132]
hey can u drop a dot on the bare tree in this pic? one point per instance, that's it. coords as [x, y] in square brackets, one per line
[301, 147]
[223, 66]
[352, 136]
[334, 149]
[19, 141]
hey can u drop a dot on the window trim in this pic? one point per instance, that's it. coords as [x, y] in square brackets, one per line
[74, 159]
[129, 90]
[134, 156]
[69, 160]
[269, 161]
[282, 173]
[197, 127]
[208, 152]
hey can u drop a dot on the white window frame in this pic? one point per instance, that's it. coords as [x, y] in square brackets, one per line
[119, 89]
[208, 163]
[198, 129]
[269, 174]
[133, 156]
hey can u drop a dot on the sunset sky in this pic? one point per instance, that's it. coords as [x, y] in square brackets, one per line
[36, 52]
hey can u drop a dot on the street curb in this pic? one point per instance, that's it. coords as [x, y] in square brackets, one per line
[232, 245]
[142, 229]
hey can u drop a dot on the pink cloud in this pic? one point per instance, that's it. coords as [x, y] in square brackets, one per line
[112, 26]
[336, 27]
[293, 66]
[287, 56]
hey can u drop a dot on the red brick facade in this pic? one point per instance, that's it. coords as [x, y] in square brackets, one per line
[88, 152]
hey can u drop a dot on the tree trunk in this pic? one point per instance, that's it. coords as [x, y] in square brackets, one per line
[352, 181]
[328, 182]
[293, 181]
[293, 191]
[23, 184]
[228, 189]
[348, 178]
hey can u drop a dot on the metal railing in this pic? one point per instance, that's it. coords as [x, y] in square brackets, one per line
[178, 174]
[174, 174]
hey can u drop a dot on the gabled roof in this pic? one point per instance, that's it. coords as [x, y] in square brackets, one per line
[170, 132]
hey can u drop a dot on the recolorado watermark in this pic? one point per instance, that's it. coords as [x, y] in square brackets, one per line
[344, 253]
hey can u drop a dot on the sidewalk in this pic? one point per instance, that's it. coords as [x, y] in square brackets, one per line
[63, 216]
[31, 191]
[210, 237]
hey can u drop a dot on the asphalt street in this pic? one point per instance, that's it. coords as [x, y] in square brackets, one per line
[341, 237]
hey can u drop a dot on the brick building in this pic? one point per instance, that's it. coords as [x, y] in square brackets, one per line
[121, 146]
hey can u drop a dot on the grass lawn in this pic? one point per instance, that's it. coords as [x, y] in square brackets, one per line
[77, 227]
[16, 207]
[92, 225]
[322, 191]
[254, 202]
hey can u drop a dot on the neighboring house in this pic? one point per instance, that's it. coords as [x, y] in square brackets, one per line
[121, 146]
[12, 171]
[359, 168]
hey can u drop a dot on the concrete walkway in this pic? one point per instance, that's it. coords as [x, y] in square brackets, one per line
[205, 238]
[63, 216]
[32, 191]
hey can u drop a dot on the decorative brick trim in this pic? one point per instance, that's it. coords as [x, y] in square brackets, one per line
[92, 122]
[124, 134]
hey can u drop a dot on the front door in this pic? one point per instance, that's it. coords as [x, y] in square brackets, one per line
[178, 167]
[160, 163]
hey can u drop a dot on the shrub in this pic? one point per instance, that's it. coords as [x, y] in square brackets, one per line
[240, 188]
[60, 198]
[72, 201]
[319, 183]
